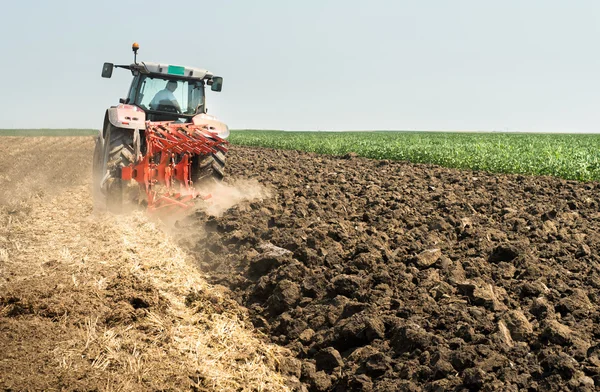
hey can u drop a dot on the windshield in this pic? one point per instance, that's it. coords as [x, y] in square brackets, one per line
[171, 96]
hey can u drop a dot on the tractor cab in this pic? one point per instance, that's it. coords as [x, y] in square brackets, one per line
[167, 92]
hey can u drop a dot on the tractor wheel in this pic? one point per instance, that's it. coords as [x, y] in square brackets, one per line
[210, 169]
[119, 153]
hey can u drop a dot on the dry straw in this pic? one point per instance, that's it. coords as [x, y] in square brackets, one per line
[113, 300]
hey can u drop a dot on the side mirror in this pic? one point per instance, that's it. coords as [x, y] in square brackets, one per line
[217, 83]
[107, 69]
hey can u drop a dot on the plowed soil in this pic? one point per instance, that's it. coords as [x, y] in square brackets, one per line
[388, 276]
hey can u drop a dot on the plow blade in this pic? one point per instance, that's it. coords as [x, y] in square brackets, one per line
[164, 172]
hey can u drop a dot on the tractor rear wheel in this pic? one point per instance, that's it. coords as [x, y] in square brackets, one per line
[119, 153]
[209, 169]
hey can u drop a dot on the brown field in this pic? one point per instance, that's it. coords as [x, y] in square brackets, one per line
[374, 275]
[414, 277]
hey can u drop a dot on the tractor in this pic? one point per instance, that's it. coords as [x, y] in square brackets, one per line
[159, 145]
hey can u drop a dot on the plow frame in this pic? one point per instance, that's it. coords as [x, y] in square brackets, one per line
[167, 163]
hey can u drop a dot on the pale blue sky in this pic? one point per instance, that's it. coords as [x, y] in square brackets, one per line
[519, 65]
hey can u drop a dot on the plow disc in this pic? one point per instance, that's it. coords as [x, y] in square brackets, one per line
[164, 172]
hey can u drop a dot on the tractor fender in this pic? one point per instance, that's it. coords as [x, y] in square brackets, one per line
[214, 125]
[127, 117]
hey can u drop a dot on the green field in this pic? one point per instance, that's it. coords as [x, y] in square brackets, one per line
[48, 132]
[570, 156]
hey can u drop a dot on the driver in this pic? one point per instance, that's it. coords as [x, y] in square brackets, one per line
[166, 97]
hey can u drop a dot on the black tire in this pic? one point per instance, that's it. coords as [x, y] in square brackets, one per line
[210, 169]
[119, 152]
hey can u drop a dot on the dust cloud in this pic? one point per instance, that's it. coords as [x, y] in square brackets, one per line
[38, 166]
[226, 195]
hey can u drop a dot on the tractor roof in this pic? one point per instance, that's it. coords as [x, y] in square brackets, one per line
[176, 70]
[169, 70]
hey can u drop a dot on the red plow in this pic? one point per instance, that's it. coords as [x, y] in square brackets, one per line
[165, 171]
